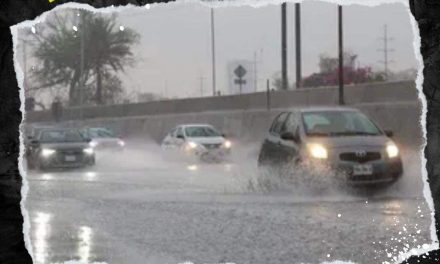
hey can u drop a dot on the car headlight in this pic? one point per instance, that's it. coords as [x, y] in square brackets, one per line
[317, 151]
[88, 151]
[121, 143]
[191, 146]
[227, 144]
[392, 150]
[47, 152]
[93, 144]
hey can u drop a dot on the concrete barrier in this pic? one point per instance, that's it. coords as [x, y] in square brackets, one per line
[403, 118]
[354, 94]
[394, 106]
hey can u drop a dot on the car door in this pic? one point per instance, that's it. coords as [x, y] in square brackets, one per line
[107, 137]
[32, 145]
[180, 137]
[271, 151]
[288, 148]
[169, 140]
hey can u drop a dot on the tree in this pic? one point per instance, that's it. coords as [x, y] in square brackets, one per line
[277, 82]
[329, 72]
[78, 49]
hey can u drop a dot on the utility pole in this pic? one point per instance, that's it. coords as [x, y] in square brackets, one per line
[82, 81]
[385, 50]
[255, 71]
[284, 81]
[257, 60]
[166, 89]
[298, 43]
[25, 87]
[341, 57]
[213, 52]
[201, 85]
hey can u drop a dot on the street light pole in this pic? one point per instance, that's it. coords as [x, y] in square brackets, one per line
[81, 86]
[298, 43]
[25, 87]
[284, 81]
[341, 57]
[213, 52]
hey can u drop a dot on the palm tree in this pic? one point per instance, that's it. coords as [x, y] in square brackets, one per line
[78, 48]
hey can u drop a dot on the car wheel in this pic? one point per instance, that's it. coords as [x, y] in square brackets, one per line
[267, 179]
[40, 167]
[262, 160]
[92, 162]
[30, 164]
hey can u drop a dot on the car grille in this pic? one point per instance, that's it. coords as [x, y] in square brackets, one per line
[373, 177]
[70, 151]
[212, 146]
[351, 156]
[61, 156]
[108, 144]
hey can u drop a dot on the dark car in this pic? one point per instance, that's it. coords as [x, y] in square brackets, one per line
[342, 140]
[59, 148]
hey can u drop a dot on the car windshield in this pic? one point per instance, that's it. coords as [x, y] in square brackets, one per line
[61, 136]
[201, 131]
[338, 123]
[101, 133]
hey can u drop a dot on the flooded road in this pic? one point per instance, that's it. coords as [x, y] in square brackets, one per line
[137, 207]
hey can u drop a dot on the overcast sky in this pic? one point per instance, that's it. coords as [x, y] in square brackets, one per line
[174, 52]
[175, 48]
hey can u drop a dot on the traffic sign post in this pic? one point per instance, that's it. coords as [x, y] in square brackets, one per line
[240, 82]
[240, 71]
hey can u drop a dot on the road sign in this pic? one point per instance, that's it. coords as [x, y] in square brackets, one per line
[240, 71]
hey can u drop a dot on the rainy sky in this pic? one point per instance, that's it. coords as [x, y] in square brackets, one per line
[174, 55]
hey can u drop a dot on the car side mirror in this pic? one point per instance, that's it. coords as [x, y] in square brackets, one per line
[180, 136]
[389, 133]
[289, 136]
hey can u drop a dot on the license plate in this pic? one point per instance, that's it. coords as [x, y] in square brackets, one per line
[362, 169]
[69, 158]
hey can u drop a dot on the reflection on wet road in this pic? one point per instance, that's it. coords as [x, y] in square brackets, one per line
[160, 212]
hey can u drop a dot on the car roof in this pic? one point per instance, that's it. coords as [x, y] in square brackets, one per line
[195, 125]
[58, 129]
[96, 127]
[323, 109]
[35, 126]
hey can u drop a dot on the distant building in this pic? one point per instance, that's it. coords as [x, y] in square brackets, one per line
[248, 84]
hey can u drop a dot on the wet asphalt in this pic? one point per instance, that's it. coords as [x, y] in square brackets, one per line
[137, 207]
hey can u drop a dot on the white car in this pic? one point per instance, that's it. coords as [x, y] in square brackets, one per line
[103, 138]
[200, 140]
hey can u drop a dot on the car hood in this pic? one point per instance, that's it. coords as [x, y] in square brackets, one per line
[350, 141]
[207, 140]
[65, 145]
